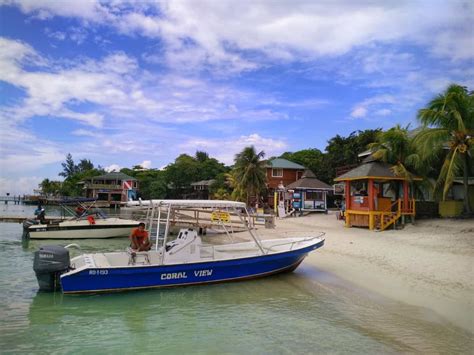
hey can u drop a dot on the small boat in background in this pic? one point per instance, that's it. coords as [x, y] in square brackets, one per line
[85, 221]
[185, 260]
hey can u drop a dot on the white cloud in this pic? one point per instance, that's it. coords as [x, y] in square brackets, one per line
[383, 112]
[238, 36]
[119, 88]
[146, 164]
[21, 151]
[362, 109]
[112, 167]
[57, 35]
[225, 149]
[90, 10]
[20, 185]
[359, 112]
[86, 133]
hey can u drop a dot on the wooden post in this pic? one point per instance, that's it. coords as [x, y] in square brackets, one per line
[370, 196]
[405, 196]
[348, 202]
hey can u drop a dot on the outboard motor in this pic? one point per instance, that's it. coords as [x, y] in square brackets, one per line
[27, 223]
[50, 262]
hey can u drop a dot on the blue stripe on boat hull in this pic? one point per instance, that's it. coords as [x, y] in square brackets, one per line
[127, 278]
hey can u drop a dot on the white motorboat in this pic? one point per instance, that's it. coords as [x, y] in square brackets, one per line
[90, 223]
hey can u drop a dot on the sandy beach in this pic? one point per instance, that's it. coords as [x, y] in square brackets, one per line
[428, 264]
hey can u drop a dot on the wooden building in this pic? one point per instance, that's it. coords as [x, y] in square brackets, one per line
[309, 193]
[201, 189]
[114, 188]
[375, 197]
[280, 173]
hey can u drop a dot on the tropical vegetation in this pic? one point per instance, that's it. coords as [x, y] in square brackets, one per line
[448, 133]
[442, 149]
[395, 147]
[249, 174]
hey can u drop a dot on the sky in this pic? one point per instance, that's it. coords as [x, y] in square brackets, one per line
[139, 83]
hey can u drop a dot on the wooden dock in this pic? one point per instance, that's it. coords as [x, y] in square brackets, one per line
[20, 219]
[12, 219]
[17, 200]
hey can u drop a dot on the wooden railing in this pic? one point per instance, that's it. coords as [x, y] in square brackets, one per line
[409, 208]
[103, 186]
[393, 215]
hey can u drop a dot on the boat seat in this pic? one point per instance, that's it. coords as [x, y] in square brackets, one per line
[101, 260]
[138, 257]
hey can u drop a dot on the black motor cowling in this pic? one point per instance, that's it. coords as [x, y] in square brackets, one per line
[50, 262]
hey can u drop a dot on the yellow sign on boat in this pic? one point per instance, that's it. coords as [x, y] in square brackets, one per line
[220, 216]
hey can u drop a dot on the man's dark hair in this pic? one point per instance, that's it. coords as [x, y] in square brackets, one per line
[141, 224]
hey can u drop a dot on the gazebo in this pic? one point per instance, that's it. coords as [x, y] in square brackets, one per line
[375, 197]
[309, 193]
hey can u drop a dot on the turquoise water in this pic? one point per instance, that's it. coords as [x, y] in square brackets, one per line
[308, 311]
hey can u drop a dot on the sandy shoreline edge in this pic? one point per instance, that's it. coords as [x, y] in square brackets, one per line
[428, 264]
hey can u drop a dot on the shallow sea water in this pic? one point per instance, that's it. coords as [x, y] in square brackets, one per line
[307, 311]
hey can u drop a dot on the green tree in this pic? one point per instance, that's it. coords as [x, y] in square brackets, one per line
[395, 147]
[69, 168]
[152, 182]
[237, 194]
[84, 165]
[201, 156]
[342, 151]
[74, 174]
[310, 158]
[180, 175]
[50, 187]
[249, 172]
[220, 185]
[448, 124]
[221, 194]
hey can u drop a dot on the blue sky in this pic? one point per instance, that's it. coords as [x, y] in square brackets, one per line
[126, 83]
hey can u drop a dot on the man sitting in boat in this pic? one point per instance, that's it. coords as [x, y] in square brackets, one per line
[139, 238]
[41, 215]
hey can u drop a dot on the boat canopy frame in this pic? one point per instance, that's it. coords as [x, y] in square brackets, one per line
[87, 204]
[156, 209]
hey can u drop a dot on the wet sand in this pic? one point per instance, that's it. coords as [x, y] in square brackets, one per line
[428, 264]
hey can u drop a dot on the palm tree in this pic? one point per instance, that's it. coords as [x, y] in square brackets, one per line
[221, 194]
[448, 123]
[249, 172]
[237, 193]
[394, 146]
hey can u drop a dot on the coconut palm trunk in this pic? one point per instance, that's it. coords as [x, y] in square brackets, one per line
[467, 207]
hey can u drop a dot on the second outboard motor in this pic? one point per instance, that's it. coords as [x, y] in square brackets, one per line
[27, 223]
[50, 262]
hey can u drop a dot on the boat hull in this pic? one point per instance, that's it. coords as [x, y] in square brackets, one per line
[89, 233]
[96, 280]
[82, 230]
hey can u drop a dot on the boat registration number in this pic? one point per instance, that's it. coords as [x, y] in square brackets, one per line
[98, 272]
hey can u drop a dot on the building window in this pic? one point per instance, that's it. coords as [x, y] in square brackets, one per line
[277, 172]
[314, 196]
